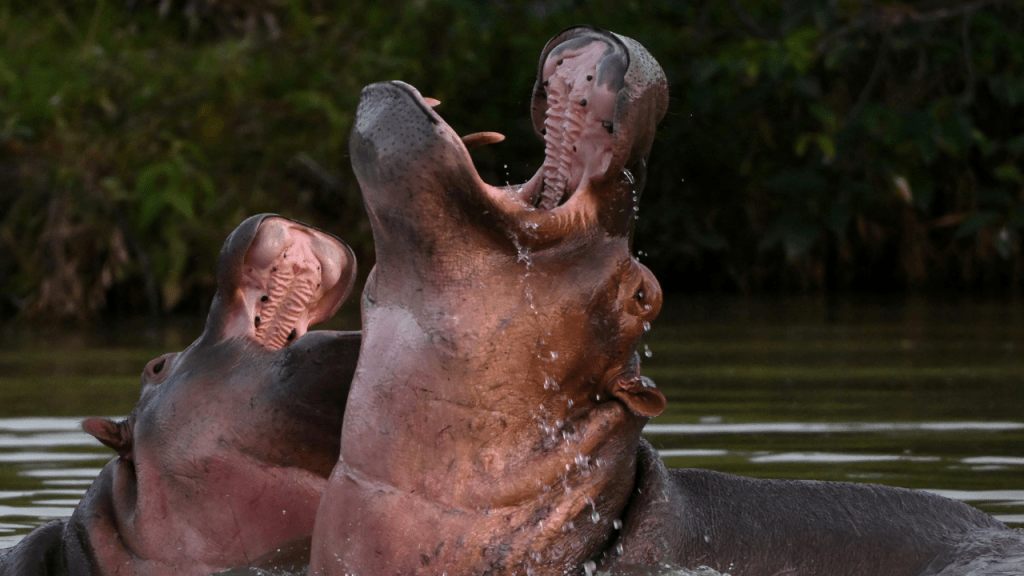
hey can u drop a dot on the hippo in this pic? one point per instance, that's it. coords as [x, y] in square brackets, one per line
[224, 458]
[494, 418]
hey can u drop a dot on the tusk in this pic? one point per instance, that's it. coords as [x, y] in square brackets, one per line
[432, 102]
[479, 139]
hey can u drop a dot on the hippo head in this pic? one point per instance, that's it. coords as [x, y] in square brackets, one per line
[500, 326]
[227, 451]
[547, 263]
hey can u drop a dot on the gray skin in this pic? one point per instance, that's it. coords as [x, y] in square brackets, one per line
[494, 421]
[225, 456]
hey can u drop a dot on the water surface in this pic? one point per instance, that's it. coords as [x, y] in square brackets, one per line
[913, 393]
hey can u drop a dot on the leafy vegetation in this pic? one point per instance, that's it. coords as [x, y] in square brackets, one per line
[810, 146]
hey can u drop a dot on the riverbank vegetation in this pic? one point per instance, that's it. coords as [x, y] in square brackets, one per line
[809, 146]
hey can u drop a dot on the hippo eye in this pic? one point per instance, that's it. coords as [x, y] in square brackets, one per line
[156, 369]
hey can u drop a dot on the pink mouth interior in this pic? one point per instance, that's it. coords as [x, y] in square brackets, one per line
[285, 279]
[578, 125]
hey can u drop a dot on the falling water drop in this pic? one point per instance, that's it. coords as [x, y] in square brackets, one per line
[595, 516]
[647, 326]
[629, 176]
[589, 568]
[617, 524]
[618, 548]
[647, 351]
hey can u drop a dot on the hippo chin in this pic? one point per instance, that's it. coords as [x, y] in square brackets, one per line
[493, 425]
[227, 452]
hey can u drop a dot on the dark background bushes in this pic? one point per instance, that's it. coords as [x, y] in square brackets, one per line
[810, 145]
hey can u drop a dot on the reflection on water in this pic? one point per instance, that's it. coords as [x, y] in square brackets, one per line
[920, 395]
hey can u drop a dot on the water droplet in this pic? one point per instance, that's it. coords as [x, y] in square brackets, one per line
[629, 176]
[554, 356]
[595, 516]
[550, 384]
[570, 402]
[647, 351]
[617, 524]
[647, 382]
[618, 548]
[647, 326]
[589, 568]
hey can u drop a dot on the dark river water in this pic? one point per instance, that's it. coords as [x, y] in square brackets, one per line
[925, 394]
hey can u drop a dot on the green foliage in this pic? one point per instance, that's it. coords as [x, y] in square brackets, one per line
[809, 145]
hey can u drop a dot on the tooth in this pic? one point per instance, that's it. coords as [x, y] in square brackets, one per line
[478, 139]
[432, 102]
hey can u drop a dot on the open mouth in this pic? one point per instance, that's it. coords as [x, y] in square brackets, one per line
[579, 82]
[596, 102]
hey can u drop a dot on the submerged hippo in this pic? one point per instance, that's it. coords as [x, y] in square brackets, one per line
[228, 450]
[493, 425]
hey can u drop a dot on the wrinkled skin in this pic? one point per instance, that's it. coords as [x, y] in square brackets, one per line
[494, 420]
[498, 398]
[227, 452]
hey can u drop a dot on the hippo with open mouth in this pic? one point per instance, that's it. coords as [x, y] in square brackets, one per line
[493, 424]
[228, 450]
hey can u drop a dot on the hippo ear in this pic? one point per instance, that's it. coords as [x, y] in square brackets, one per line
[116, 435]
[640, 395]
[275, 278]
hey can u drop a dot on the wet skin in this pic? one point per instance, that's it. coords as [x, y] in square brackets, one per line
[226, 454]
[498, 397]
[494, 419]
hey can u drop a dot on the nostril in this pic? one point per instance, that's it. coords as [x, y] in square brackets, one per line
[159, 365]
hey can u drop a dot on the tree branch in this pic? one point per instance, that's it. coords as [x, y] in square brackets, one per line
[887, 19]
[965, 32]
[747, 21]
[876, 74]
